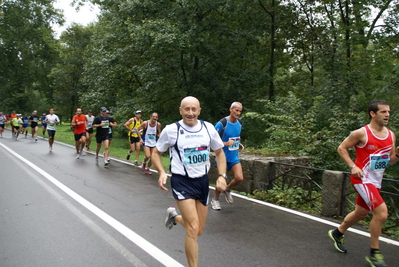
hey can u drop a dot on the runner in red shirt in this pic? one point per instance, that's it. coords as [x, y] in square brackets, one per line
[375, 149]
[79, 122]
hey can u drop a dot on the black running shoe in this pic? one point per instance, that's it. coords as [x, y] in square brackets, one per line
[338, 241]
[376, 259]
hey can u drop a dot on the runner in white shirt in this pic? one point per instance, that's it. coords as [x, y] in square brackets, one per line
[3, 120]
[89, 128]
[52, 120]
[189, 142]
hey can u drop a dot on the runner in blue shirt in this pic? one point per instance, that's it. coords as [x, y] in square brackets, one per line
[25, 124]
[229, 129]
[44, 124]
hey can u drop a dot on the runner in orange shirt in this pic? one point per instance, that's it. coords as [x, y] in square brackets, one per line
[79, 122]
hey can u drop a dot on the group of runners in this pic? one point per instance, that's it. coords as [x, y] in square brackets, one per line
[20, 124]
[190, 141]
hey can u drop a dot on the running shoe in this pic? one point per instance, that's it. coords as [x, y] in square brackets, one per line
[83, 153]
[96, 160]
[170, 216]
[136, 163]
[228, 196]
[77, 156]
[143, 165]
[338, 241]
[127, 156]
[50, 148]
[376, 259]
[35, 139]
[215, 204]
[106, 163]
[148, 171]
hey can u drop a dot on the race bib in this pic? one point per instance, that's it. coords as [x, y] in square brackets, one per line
[106, 124]
[236, 144]
[151, 137]
[196, 156]
[379, 162]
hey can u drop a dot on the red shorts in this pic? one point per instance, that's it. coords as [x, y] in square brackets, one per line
[368, 196]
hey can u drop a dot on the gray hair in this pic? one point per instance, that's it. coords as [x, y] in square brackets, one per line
[234, 104]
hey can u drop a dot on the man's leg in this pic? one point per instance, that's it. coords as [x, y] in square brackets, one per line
[238, 176]
[98, 148]
[380, 214]
[82, 142]
[358, 214]
[150, 161]
[106, 149]
[132, 147]
[137, 148]
[193, 218]
[77, 145]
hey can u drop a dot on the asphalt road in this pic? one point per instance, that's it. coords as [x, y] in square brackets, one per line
[57, 210]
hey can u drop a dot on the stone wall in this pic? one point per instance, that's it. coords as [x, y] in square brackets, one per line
[256, 171]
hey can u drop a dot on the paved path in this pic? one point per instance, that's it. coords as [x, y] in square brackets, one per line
[57, 210]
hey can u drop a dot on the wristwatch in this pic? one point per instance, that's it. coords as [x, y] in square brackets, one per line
[223, 175]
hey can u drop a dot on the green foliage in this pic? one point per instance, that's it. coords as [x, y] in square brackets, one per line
[292, 198]
[27, 51]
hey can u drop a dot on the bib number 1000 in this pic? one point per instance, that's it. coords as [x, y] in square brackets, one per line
[195, 159]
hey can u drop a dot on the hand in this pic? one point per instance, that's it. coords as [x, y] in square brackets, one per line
[221, 184]
[356, 171]
[162, 181]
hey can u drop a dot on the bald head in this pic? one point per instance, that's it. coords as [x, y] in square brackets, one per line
[190, 110]
[190, 100]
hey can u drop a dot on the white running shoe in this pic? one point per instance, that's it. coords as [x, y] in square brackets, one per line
[215, 204]
[228, 196]
[170, 216]
[77, 156]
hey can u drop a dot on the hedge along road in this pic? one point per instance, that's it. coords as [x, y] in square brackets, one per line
[61, 211]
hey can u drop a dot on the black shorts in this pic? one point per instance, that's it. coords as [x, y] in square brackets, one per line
[101, 139]
[51, 133]
[2, 126]
[90, 130]
[16, 127]
[33, 124]
[134, 139]
[78, 136]
[190, 188]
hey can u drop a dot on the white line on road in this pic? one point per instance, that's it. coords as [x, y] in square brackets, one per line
[314, 218]
[152, 250]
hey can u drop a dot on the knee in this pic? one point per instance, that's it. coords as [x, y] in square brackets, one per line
[193, 230]
[361, 214]
[381, 216]
[238, 178]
